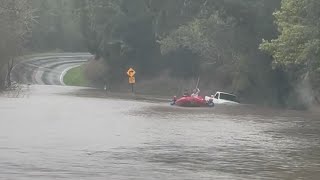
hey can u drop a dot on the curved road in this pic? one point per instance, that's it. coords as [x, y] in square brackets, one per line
[47, 69]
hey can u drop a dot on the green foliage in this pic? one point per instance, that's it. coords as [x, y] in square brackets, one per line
[226, 36]
[217, 40]
[121, 32]
[75, 77]
[296, 50]
[56, 26]
[298, 43]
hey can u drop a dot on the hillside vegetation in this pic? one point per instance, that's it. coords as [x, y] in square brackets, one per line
[265, 51]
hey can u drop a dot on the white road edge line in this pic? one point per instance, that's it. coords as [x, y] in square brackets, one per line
[64, 72]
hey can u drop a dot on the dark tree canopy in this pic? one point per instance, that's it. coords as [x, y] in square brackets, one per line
[255, 48]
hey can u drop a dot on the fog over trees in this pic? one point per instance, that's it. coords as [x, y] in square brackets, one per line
[16, 18]
[265, 51]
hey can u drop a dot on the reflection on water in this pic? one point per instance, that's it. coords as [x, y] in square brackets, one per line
[50, 136]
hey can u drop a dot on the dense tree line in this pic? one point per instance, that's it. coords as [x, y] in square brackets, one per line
[296, 50]
[16, 18]
[255, 48]
[56, 28]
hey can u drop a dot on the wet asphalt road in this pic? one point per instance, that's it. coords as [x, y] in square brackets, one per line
[47, 69]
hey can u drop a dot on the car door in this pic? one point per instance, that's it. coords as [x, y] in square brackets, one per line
[216, 98]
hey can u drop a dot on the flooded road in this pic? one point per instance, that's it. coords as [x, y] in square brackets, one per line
[52, 135]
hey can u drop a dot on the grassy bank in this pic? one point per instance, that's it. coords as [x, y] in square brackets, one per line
[75, 77]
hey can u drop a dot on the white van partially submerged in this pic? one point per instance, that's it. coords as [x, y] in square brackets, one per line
[223, 98]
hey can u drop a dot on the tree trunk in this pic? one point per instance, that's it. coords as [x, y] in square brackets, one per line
[9, 70]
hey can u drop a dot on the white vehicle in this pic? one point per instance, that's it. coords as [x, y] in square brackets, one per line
[223, 98]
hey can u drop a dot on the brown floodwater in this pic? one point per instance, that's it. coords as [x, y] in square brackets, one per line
[54, 133]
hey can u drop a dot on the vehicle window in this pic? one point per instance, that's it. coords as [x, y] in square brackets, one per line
[216, 96]
[228, 97]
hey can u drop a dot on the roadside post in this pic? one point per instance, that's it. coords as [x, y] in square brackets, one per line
[132, 79]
